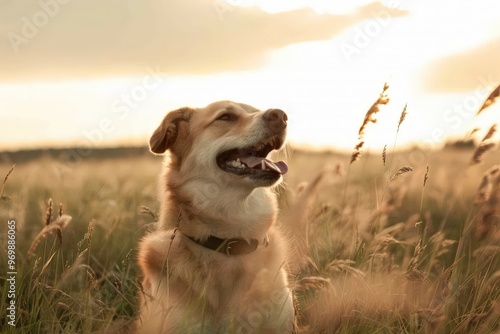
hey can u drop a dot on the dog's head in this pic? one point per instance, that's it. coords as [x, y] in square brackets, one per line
[224, 140]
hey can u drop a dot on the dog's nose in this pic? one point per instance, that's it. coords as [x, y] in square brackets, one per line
[276, 119]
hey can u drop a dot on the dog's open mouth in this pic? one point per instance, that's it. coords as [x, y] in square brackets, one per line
[253, 160]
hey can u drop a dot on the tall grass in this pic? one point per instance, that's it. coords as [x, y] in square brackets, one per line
[403, 253]
[76, 274]
[388, 247]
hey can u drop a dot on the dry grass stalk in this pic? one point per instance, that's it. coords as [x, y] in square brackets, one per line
[490, 211]
[70, 273]
[394, 201]
[48, 212]
[490, 99]
[297, 218]
[472, 132]
[357, 237]
[56, 227]
[8, 173]
[438, 293]
[60, 213]
[426, 177]
[118, 284]
[87, 238]
[355, 156]
[92, 278]
[480, 151]
[339, 170]
[2, 196]
[345, 266]
[402, 170]
[490, 134]
[402, 117]
[440, 244]
[486, 187]
[412, 266]
[35, 266]
[312, 282]
[357, 151]
[370, 117]
[148, 212]
[384, 154]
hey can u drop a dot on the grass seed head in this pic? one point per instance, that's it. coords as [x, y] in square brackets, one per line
[60, 213]
[480, 151]
[401, 171]
[2, 196]
[384, 154]
[412, 266]
[48, 212]
[148, 212]
[402, 117]
[312, 283]
[8, 173]
[357, 151]
[472, 133]
[370, 117]
[487, 218]
[486, 187]
[56, 227]
[426, 177]
[491, 132]
[490, 100]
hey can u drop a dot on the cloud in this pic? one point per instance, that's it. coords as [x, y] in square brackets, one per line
[463, 71]
[58, 39]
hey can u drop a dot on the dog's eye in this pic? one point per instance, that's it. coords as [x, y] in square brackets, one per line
[227, 117]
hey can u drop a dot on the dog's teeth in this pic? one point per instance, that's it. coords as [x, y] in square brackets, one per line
[263, 165]
[235, 163]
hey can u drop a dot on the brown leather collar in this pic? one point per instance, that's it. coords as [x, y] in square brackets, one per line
[231, 247]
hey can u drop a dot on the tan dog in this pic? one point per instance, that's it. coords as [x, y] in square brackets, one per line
[216, 262]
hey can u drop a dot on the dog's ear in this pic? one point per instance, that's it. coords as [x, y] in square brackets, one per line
[166, 134]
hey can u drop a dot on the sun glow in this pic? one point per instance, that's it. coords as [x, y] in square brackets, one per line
[319, 6]
[324, 84]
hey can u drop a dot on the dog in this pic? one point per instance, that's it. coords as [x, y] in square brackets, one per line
[217, 261]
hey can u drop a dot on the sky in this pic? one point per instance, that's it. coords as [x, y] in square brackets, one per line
[105, 72]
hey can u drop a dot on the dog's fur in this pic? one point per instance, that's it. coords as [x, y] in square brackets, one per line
[188, 288]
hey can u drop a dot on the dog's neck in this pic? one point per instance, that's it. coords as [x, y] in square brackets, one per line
[231, 215]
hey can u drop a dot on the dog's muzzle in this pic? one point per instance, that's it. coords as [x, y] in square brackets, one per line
[252, 160]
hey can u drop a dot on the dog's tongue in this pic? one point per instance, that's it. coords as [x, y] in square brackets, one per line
[264, 164]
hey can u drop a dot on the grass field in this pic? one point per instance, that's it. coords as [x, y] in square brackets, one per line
[397, 241]
[385, 256]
